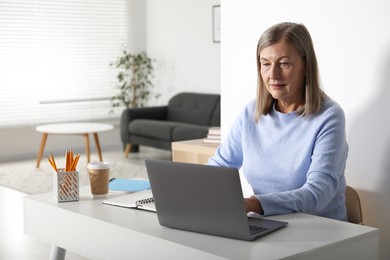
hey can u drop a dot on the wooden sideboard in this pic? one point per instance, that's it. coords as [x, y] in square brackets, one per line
[193, 151]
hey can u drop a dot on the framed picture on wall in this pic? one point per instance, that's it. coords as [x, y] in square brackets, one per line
[216, 11]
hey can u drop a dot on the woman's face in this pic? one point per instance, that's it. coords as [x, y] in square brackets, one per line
[283, 72]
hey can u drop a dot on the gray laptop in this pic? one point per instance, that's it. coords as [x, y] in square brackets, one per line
[205, 199]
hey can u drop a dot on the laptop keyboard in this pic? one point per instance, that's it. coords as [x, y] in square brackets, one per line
[256, 229]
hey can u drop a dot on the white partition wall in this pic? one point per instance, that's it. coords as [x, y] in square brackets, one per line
[352, 42]
[179, 37]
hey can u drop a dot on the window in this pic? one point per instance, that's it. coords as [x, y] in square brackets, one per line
[55, 58]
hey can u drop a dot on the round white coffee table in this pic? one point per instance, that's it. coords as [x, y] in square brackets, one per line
[83, 129]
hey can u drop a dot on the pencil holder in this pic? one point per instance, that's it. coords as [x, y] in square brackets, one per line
[66, 185]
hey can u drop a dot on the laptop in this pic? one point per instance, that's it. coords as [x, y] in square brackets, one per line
[203, 198]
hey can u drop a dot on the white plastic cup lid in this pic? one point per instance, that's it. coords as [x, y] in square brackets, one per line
[96, 165]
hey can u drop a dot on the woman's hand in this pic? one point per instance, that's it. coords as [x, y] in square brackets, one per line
[254, 205]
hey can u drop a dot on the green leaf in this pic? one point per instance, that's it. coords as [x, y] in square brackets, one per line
[134, 73]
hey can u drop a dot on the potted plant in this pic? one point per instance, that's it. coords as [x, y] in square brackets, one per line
[134, 79]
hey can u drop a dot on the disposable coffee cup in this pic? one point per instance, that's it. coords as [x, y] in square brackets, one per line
[99, 176]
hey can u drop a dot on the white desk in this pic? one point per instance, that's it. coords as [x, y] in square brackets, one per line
[98, 231]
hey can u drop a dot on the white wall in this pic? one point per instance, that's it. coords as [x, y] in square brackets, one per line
[179, 37]
[178, 34]
[352, 42]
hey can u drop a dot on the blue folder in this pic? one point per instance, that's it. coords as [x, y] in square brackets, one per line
[128, 185]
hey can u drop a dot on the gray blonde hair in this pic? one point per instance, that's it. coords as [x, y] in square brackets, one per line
[298, 37]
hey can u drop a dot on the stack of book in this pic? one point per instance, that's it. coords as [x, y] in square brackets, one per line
[213, 136]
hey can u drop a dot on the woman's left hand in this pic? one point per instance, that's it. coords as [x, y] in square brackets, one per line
[253, 204]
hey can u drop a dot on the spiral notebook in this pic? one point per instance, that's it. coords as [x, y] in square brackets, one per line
[140, 200]
[146, 204]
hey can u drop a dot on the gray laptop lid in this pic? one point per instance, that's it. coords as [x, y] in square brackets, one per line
[202, 198]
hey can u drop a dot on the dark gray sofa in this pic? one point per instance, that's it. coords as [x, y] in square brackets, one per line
[187, 116]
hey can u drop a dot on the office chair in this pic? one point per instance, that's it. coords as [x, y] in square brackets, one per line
[354, 207]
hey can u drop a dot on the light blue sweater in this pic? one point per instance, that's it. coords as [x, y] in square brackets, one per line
[293, 163]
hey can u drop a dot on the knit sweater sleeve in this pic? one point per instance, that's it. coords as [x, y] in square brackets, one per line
[323, 191]
[230, 152]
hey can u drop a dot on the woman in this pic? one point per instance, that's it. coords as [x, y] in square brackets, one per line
[290, 142]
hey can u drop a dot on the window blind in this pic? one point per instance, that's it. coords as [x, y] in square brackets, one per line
[55, 56]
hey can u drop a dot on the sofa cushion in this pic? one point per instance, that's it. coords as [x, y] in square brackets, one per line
[186, 131]
[154, 129]
[216, 115]
[166, 130]
[193, 108]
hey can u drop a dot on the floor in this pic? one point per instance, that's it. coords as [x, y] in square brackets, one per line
[14, 244]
